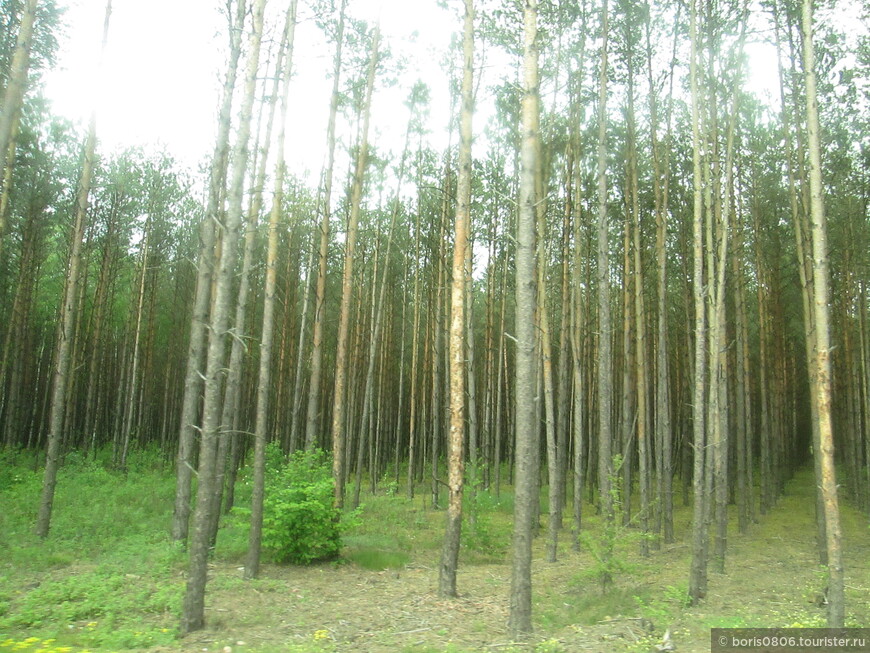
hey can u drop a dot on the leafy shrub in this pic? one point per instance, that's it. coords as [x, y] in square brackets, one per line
[300, 523]
[608, 560]
[481, 533]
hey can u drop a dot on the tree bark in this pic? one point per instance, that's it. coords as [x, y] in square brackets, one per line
[457, 345]
[698, 570]
[66, 328]
[312, 414]
[13, 98]
[822, 361]
[252, 564]
[193, 611]
[525, 495]
[193, 380]
[341, 362]
[130, 407]
[605, 346]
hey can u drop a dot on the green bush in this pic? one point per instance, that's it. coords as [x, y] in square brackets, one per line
[300, 523]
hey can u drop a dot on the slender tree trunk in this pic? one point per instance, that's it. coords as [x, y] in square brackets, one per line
[628, 408]
[698, 571]
[66, 327]
[525, 495]
[400, 405]
[805, 274]
[312, 414]
[13, 98]
[742, 420]
[605, 346]
[642, 380]
[225, 472]
[438, 330]
[193, 612]
[501, 364]
[563, 373]
[341, 363]
[380, 290]
[252, 564]
[546, 366]
[578, 389]
[661, 178]
[296, 413]
[193, 380]
[474, 444]
[121, 460]
[415, 334]
[718, 328]
[462, 223]
[822, 362]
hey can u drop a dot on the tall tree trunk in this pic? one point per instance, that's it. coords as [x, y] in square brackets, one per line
[13, 98]
[742, 419]
[193, 380]
[193, 612]
[66, 328]
[252, 564]
[437, 326]
[415, 334]
[312, 414]
[661, 178]
[822, 363]
[642, 375]
[130, 404]
[341, 362]
[718, 338]
[698, 571]
[805, 274]
[296, 414]
[578, 387]
[520, 620]
[230, 412]
[462, 223]
[546, 367]
[605, 343]
[379, 288]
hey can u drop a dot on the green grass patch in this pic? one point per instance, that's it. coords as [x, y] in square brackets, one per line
[377, 559]
[376, 551]
[107, 576]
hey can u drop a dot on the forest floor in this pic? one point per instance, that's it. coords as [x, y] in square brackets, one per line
[114, 585]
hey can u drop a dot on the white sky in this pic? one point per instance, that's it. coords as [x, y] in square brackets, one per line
[164, 63]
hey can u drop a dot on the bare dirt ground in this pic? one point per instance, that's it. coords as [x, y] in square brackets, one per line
[772, 579]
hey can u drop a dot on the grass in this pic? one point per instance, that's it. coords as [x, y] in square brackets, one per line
[109, 578]
[104, 582]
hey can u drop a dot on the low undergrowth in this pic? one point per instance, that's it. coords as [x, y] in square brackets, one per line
[109, 578]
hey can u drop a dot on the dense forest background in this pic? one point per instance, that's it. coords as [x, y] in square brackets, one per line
[668, 222]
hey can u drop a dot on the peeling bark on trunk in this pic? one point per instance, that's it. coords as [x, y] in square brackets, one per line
[822, 362]
[462, 223]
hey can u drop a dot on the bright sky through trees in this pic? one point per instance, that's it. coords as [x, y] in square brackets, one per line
[165, 58]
